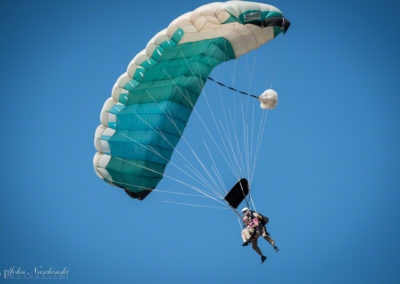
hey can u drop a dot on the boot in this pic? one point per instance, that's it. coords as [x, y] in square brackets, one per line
[263, 258]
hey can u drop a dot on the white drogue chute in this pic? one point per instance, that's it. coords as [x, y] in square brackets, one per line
[268, 99]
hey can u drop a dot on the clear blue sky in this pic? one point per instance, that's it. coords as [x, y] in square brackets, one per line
[327, 175]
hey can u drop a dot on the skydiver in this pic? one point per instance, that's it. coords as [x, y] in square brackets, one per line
[255, 226]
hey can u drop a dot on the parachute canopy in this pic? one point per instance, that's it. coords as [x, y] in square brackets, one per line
[152, 101]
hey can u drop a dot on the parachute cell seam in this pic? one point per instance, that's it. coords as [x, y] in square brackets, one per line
[129, 131]
[172, 99]
[134, 175]
[155, 114]
[164, 130]
[204, 55]
[163, 86]
[158, 147]
[130, 161]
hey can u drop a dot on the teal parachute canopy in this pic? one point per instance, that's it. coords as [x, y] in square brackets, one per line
[152, 101]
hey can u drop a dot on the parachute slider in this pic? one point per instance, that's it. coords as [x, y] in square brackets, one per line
[238, 193]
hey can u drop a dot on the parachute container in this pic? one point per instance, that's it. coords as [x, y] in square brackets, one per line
[268, 99]
[238, 193]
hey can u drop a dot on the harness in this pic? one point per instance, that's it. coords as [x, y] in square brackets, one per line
[256, 230]
[263, 221]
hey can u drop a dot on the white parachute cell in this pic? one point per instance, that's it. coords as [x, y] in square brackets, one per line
[268, 99]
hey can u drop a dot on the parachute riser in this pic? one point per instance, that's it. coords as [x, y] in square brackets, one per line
[237, 213]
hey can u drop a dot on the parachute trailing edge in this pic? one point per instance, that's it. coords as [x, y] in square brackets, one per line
[152, 101]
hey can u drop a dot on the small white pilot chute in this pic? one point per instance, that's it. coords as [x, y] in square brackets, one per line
[268, 99]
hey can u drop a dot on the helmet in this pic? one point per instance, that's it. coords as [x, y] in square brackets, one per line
[244, 210]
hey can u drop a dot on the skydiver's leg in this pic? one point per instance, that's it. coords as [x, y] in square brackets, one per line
[254, 245]
[268, 238]
[245, 237]
[272, 242]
